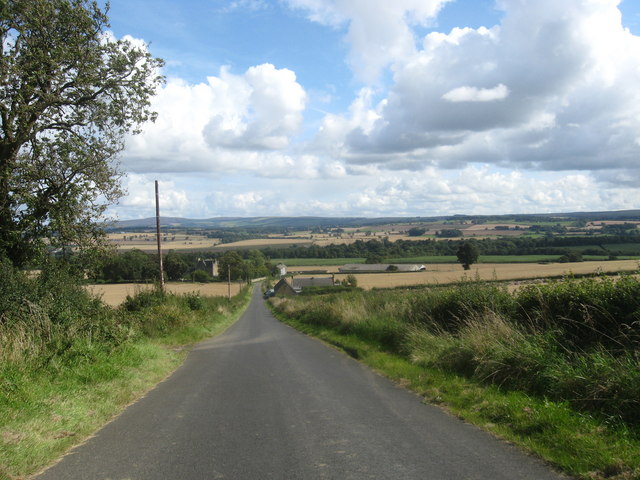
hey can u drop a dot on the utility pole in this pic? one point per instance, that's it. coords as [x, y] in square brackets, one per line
[229, 280]
[158, 238]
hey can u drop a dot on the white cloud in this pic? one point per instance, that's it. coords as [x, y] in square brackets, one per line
[538, 113]
[266, 109]
[224, 123]
[379, 31]
[473, 94]
[553, 87]
[141, 197]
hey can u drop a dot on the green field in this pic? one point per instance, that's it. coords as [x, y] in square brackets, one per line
[315, 262]
[323, 262]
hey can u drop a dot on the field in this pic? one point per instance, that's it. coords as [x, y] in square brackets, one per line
[440, 274]
[180, 240]
[115, 294]
[147, 241]
[432, 259]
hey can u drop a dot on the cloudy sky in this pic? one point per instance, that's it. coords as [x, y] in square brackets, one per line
[386, 108]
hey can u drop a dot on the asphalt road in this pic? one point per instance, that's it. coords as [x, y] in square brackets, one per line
[262, 401]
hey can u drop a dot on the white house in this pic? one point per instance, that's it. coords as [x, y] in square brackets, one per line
[283, 269]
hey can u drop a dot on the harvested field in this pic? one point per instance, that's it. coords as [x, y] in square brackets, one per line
[115, 294]
[264, 242]
[147, 241]
[439, 274]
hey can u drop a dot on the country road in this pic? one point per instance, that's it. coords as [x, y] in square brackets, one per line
[262, 401]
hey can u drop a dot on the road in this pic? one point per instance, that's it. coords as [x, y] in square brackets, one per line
[262, 401]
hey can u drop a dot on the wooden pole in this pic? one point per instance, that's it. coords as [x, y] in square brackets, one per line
[158, 238]
[229, 280]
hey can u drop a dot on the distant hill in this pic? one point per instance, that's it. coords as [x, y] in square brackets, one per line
[310, 222]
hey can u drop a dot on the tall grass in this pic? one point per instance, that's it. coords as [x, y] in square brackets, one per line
[572, 340]
[68, 362]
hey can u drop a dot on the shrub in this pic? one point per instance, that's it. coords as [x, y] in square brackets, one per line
[201, 276]
[573, 341]
[143, 299]
[586, 312]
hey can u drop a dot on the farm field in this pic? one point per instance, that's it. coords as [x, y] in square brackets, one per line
[440, 274]
[432, 259]
[147, 241]
[264, 242]
[115, 294]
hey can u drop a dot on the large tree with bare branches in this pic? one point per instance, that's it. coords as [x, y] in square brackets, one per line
[69, 93]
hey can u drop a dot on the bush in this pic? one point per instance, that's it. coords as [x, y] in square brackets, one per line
[586, 312]
[143, 299]
[573, 341]
[445, 309]
[201, 276]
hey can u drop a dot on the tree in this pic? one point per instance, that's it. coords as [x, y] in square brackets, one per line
[350, 281]
[416, 231]
[467, 254]
[449, 233]
[69, 93]
[201, 276]
[257, 264]
[231, 262]
[174, 266]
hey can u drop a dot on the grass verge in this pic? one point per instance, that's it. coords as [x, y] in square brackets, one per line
[584, 444]
[46, 409]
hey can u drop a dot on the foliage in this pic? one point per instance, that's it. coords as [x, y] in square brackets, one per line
[201, 276]
[449, 233]
[58, 342]
[133, 266]
[521, 245]
[467, 254]
[571, 257]
[175, 266]
[69, 93]
[350, 280]
[231, 265]
[416, 232]
[573, 341]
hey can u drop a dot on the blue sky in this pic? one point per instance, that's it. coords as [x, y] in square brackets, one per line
[377, 108]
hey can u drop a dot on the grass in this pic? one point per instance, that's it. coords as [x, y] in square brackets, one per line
[64, 373]
[315, 262]
[44, 418]
[435, 259]
[533, 367]
[574, 443]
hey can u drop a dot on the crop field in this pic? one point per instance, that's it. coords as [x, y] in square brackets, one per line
[264, 242]
[440, 274]
[115, 294]
[430, 259]
[147, 241]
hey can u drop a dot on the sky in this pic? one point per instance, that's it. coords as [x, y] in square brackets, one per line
[375, 108]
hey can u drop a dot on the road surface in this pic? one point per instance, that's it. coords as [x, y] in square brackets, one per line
[262, 401]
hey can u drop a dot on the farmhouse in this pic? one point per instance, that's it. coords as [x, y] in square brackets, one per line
[283, 287]
[209, 265]
[299, 282]
[282, 268]
[380, 268]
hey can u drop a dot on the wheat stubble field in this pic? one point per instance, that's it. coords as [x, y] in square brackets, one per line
[115, 294]
[440, 274]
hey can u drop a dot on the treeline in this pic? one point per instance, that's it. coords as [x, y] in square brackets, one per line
[548, 245]
[138, 266]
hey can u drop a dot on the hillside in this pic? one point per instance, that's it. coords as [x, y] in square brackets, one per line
[310, 222]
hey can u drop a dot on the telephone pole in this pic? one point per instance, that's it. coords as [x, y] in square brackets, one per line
[158, 238]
